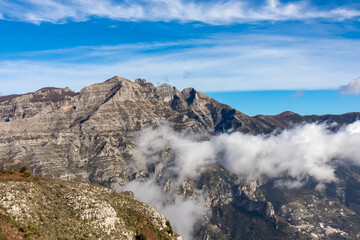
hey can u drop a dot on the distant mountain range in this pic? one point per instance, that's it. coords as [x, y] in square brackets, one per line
[90, 136]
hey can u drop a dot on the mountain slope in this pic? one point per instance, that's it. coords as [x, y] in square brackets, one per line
[36, 208]
[91, 137]
[88, 135]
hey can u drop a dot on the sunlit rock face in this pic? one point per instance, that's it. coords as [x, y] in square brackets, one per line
[88, 135]
[35, 208]
[91, 136]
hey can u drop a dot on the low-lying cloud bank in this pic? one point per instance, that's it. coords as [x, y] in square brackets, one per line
[309, 150]
[182, 213]
[305, 151]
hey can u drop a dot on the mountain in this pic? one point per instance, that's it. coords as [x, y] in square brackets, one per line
[289, 119]
[91, 136]
[35, 208]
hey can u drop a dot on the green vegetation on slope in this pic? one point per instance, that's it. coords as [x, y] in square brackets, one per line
[37, 208]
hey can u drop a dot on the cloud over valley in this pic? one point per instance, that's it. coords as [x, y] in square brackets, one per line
[303, 152]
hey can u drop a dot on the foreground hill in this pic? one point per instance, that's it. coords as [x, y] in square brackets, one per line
[91, 136]
[36, 208]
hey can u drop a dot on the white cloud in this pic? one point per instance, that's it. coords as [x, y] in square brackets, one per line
[305, 151]
[352, 88]
[211, 12]
[182, 213]
[219, 63]
[189, 157]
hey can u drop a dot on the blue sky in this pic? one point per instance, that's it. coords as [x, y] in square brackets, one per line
[306, 102]
[265, 50]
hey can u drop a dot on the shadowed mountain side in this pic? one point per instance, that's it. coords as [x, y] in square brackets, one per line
[288, 119]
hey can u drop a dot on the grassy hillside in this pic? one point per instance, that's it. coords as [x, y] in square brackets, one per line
[36, 208]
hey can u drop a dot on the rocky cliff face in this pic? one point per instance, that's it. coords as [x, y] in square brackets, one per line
[89, 136]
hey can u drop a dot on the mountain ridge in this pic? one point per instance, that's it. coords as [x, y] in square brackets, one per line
[90, 136]
[181, 101]
[98, 123]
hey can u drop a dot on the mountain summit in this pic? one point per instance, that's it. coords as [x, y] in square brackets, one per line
[91, 136]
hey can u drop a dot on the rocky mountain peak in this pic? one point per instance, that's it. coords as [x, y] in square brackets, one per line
[141, 81]
[102, 88]
[91, 137]
[42, 95]
[166, 92]
[51, 94]
[149, 87]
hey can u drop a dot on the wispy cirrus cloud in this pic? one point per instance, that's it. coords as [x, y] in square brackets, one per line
[352, 88]
[210, 12]
[220, 63]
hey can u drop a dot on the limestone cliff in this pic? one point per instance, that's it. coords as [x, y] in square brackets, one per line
[89, 137]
